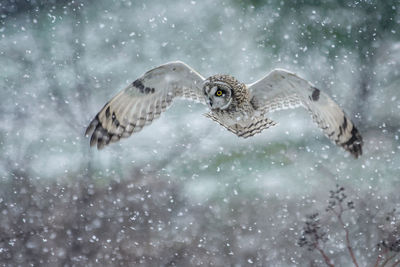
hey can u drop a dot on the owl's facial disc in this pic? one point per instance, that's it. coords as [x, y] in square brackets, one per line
[218, 95]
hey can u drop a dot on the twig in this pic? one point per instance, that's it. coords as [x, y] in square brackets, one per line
[381, 256]
[326, 258]
[312, 236]
[349, 248]
[388, 259]
[397, 262]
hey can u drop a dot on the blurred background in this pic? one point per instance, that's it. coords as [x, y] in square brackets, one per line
[184, 191]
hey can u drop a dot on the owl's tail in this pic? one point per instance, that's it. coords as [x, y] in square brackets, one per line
[254, 126]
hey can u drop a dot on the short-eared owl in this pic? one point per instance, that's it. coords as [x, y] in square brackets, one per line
[240, 108]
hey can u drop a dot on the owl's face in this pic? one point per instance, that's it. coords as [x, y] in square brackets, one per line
[218, 94]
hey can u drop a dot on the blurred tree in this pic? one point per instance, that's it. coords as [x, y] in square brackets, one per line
[69, 98]
[10, 8]
[82, 82]
[363, 28]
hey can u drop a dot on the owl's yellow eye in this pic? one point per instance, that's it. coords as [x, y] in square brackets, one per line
[218, 93]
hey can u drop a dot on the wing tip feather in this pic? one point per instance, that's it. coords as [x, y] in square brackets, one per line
[99, 136]
[354, 143]
[92, 126]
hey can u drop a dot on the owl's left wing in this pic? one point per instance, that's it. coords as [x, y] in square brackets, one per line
[281, 89]
[143, 101]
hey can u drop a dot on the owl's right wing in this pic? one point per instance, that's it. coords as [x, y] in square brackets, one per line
[281, 89]
[143, 101]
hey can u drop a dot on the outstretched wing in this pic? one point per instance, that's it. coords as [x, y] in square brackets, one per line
[143, 101]
[281, 89]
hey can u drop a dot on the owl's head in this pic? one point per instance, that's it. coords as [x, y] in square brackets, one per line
[221, 90]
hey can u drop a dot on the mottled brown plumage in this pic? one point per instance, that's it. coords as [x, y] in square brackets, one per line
[239, 117]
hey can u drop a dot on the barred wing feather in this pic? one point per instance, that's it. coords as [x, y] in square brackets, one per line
[281, 89]
[143, 101]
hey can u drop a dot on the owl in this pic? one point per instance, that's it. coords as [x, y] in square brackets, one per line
[241, 108]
